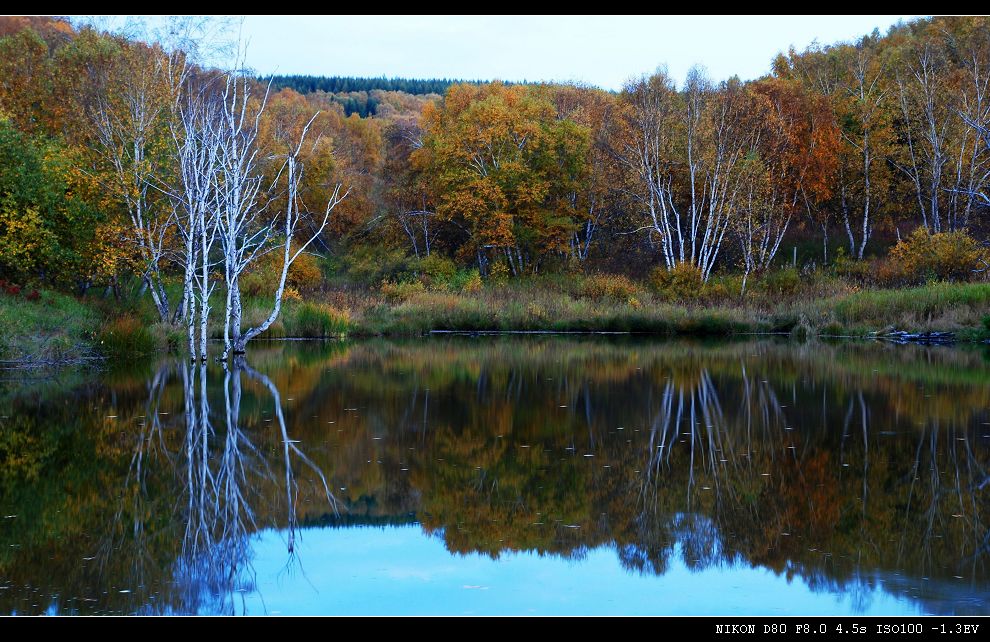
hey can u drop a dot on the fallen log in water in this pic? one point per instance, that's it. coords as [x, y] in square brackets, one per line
[924, 338]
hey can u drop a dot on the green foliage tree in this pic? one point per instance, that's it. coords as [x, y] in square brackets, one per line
[46, 227]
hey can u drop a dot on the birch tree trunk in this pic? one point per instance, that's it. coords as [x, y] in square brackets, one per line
[196, 143]
[246, 225]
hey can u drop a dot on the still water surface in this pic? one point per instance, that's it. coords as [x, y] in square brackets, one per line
[541, 475]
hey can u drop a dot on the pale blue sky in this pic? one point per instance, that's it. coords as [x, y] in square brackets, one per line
[600, 50]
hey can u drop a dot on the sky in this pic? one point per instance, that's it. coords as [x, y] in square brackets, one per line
[598, 50]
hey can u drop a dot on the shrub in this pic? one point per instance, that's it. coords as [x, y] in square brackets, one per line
[399, 292]
[782, 282]
[833, 328]
[440, 274]
[169, 338]
[373, 264]
[922, 257]
[723, 287]
[304, 273]
[498, 272]
[682, 283]
[609, 286]
[849, 268]
[536, 311]
[784, 322]
[471, 281]
[262, 277]
[291, 294]
[255, 284]
[803, 329]
[436, 269]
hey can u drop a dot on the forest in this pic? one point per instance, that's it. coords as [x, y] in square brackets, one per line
[149, 201]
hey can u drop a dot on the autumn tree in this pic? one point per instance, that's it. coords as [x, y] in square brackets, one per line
[128, 102]
[599, 196]
[503, 165]
[48, 230]
[791, 166]
[863, 101]
[407, 200]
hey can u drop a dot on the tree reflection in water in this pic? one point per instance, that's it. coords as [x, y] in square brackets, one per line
[221, 474]
[848, 467]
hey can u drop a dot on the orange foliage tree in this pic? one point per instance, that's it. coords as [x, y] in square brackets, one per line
[503, 165]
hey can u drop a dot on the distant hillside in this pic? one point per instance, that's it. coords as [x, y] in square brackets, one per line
[362, 96]
[346, 84]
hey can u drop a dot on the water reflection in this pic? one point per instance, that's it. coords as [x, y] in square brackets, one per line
[858, 470]
[220, 473]
[194, 486]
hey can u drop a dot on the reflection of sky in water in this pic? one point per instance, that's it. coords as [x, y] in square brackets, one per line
[400, 571]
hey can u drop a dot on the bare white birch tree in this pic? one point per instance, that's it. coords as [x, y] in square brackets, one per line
[982, 129]
[943, 85]
[686, 151]
[928, 119]
[248, 222]
[972, 164]
[196, 139]
[650, 155]
[761, 225]
[867, 96]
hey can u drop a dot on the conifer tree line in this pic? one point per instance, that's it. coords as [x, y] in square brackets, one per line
[345, 84]
[126, 164]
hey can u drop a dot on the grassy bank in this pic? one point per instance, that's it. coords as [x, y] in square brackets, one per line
[49, 328]
[54, 328]
[547, 305]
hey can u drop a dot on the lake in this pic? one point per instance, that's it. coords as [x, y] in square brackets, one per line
[504, 475]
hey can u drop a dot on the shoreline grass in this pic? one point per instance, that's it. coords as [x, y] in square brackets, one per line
[962, 308]
[57, 328]
[52, 329]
